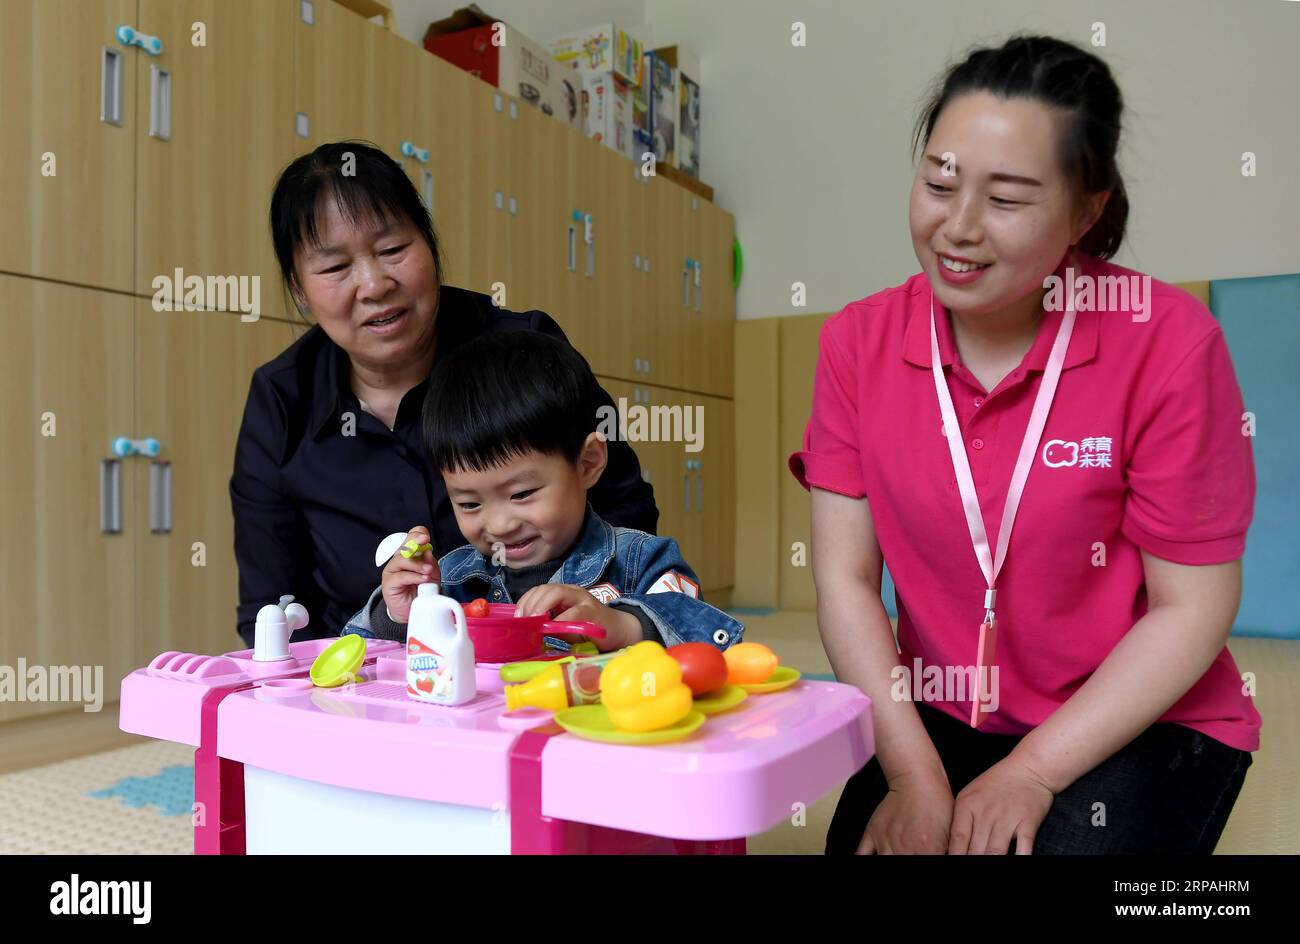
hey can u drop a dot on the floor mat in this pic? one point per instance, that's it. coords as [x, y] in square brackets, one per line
[136, 800]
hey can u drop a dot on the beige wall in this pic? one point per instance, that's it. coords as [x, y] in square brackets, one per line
[810, 147]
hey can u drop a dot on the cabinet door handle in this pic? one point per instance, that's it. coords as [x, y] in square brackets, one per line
[110, 496]
[110, 87]
[686, 284]
[409, 149]
[699, 287]
[160, 103]
[589, 237]
[426, 188]
[128, 36]
[160, 497]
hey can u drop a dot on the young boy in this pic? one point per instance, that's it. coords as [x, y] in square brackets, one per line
[510, 422]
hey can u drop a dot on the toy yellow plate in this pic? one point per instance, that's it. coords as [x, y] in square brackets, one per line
[338, 662]
[724, 699]
[783, 677]
[592, 722]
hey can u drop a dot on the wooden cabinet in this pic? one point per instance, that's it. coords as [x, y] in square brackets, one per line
[714, 303]
[124, 166]
[86, 366]
[539, 209]
[490, 142]
[442, 126]
[336, 80]
[715, 491]
[618, 335]
[68, 587]
[213, 129]
[690, 462]
[69, 194]
[192, 378]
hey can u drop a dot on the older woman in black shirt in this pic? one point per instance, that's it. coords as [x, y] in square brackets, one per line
[329, 458]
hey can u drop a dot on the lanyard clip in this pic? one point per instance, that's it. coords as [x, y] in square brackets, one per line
[990, 598]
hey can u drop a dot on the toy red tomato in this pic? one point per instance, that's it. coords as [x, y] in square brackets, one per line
[477, 609]
[703, 667]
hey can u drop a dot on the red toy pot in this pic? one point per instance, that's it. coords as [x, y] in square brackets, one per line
[503, 637]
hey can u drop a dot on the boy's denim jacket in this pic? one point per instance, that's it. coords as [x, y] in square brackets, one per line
[616, 565]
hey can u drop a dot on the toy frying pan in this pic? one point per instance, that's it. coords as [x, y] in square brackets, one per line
[503, 637]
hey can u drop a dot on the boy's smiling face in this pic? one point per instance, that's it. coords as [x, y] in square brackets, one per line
[533, 504]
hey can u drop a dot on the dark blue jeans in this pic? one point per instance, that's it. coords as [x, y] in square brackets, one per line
[1167, 792]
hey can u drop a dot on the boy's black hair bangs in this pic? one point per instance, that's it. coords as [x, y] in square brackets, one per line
[502, 395]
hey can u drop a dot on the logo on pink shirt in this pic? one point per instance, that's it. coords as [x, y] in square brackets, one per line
[1091, 452]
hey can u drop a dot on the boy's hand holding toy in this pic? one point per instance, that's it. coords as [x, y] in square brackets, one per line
[569, 602]
[409, 567]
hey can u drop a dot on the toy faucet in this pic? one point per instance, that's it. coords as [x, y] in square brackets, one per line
[275, 624]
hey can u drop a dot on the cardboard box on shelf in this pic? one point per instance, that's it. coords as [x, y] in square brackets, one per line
[661, 94]
[642, 142]
[603, 48]
[608, 101]
[686, 153]
[500, 55]
[571, 105]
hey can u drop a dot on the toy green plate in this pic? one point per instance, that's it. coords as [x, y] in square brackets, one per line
[783, 677]
[592, 722]
[338, 663]
[724, 699]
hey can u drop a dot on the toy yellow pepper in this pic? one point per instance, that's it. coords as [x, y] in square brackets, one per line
[642, 689]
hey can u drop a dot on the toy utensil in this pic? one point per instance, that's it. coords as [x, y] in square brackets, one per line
[414, 550]
[388, 547]
[339, 663]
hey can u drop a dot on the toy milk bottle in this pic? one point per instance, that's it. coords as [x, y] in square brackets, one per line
[439, 653]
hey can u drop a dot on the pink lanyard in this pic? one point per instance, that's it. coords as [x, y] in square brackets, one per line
[989, 565]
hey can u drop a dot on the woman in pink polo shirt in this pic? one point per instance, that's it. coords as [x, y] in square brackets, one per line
[1048, 450]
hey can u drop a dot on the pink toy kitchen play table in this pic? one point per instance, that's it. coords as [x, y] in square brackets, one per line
[282, 766]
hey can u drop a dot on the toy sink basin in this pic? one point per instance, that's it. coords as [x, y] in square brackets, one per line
[503, 637]
[303, 655]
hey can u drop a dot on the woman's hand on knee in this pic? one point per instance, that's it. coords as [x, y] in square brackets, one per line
[1008, 801]
[913, 818]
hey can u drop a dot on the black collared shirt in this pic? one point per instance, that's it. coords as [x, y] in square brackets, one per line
[311, 503]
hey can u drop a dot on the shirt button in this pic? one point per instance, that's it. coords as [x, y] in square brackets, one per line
[496, 594]
[977, 443]
[979, 401]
